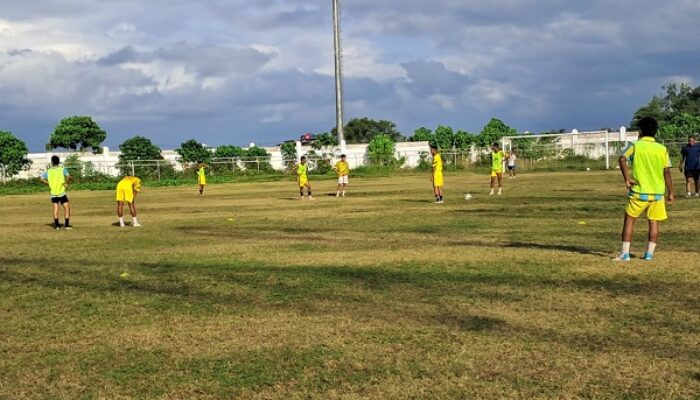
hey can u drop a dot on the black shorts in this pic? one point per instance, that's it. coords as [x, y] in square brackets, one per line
[62, 200]
[511, 167]
[692, 173]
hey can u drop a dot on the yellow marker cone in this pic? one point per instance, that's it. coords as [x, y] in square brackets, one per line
[124, 275]
[582, 223]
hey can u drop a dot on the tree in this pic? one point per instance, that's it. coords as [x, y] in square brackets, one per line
[444, 137]
[13, 155]
[137, 152]
[493, 132]
[362, 130]
[381, 150]
[256, 152]
[463, 139]
[193, 151]
[77, 133]
[679, 127]
[672, 110]
[422, 134]
[229, 151]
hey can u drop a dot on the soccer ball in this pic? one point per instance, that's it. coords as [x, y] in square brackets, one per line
[588, 169]
[468, 196]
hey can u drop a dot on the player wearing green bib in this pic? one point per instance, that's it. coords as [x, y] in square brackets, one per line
[303, 178]
[648, 182]
[201, 176]
[58, 178]
[497, 157]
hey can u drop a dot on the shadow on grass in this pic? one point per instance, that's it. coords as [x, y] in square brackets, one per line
[556, 247]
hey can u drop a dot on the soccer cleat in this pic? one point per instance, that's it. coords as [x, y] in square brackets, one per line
[623, 257]
[491, 193]
[311, 198]
[648, 257]
[57, 227]
[136, 225]
[68, 227]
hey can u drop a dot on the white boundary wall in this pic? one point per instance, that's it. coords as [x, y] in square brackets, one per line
[106, 162]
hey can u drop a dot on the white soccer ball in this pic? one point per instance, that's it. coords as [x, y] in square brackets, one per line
[588, 169]
[468, 196]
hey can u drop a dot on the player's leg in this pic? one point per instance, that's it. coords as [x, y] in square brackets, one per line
[120, 212]
[688, 183]
[627, 233]
[66, 212]
[500, 182]
[697, 182]
[308, 190]
[132, 210]
[345, 185]
[339, 188]
[201, 189]
[493, 183]
[54, 205]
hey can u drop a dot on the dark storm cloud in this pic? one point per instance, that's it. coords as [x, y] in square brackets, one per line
[239, 70]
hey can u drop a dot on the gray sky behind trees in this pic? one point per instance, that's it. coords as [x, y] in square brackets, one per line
[235, 71]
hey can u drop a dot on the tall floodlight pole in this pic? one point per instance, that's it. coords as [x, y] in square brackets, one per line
[338, 71]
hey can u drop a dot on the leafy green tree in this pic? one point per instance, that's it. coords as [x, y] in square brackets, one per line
[229, 151]
[422, 134]
[679, 127]
[77, 133]
[362, 130]
[193, 151]
[140, 152]
[463, 139]
[444, 137]
[381, 150]
[672, 110]
[256, 152]
[493, 132]
[13, 155]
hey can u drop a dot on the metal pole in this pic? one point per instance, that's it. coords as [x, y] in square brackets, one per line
[607, 150]
[338, 72]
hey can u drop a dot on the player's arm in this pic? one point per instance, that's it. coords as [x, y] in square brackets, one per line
[680, 166]
[44, 178]
[624, 168]
[668, 180]
[68, 177]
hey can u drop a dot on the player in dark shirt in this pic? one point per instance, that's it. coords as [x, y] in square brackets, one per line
[690, 164]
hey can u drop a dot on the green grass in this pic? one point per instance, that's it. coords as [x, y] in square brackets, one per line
[380, 294]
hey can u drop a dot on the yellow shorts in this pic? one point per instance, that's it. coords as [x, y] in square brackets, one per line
[438, 181]
[202, 180]
[656, 209]
[125, 192]
[303, 181]
[496, 172]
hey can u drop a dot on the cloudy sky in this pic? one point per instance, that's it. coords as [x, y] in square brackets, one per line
[236, 71]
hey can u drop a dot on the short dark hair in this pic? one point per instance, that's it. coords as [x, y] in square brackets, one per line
[649, 126]
[303, 158]
[495, 144]
[433, 146]
[55, 161]
[693, 136]
[342, 156]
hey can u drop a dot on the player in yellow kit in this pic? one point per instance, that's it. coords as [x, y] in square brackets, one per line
[58, 178]
[201, 176]
[342, 168]
[303, 178]
[127, 189]
[437, 179]
[650, 186]
[497, 157]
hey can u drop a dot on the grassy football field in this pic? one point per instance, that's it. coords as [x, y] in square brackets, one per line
[249, 293]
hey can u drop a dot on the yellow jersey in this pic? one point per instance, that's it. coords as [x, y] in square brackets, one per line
[342, 168]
